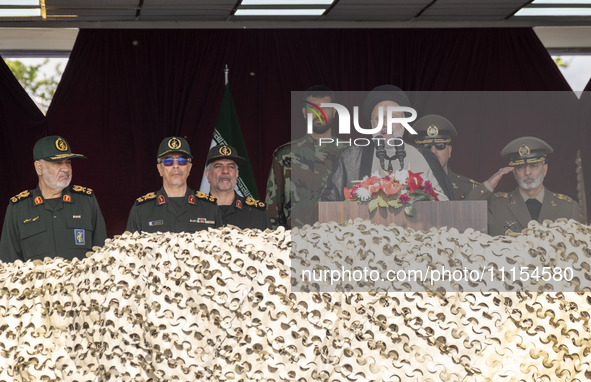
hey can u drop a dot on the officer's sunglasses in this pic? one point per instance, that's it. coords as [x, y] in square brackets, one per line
[170, 161]
[438, 146]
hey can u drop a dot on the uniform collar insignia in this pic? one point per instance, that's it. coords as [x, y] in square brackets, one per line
[510, 227]
[161, 199]
[38, 200]
[191, 199]
[67, 198]
[238, 203]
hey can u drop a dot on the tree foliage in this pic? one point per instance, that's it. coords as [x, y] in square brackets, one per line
[35, 81]
[561, 63]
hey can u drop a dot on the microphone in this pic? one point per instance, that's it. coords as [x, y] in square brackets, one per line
[400, 154]
[380, 151]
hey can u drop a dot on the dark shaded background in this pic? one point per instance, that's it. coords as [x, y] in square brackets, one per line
[124, 90]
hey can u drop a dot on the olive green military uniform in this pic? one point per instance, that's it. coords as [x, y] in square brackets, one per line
[466, 188]
[435, 130]
[508, 213]
[299, 168]
[246, 213]
[67, 227]
[156, 212]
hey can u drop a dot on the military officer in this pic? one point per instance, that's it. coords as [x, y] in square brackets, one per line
[300, 168]
[436, 133]
[509, 213]
[55, 219]
[175, 207]
[222, 174]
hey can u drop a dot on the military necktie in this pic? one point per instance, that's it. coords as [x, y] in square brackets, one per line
[534, 206]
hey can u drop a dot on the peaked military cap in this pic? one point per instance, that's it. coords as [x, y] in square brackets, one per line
[53, 148]
[383, 93]
[224, 152]
[434, 129]
[526, 150]
[174, 145]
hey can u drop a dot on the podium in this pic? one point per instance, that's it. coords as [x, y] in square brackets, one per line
[457, 214]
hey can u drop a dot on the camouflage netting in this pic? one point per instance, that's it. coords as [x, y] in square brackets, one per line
[216, 305]
[546, 257]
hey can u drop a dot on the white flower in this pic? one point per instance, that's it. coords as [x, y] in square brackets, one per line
[363, 194]
[401, 176]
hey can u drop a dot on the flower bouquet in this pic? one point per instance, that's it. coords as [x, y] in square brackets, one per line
[397, 189]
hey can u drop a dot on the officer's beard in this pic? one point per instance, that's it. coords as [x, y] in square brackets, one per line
[530, 182]
[321, 128]
[57, 181]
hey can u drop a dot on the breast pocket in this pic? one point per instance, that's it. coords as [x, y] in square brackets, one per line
[34, 239]
[81, 229]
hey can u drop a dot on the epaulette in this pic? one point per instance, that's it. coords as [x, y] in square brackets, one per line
[145, 198]
[473, 181]
[563, 197]
[23, 195]
[82, 190]
[204, 196]
[501, 195]
[256, 203]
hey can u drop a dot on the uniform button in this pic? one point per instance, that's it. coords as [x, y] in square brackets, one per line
[55, 217]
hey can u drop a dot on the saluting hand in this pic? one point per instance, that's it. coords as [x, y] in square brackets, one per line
[494, 180]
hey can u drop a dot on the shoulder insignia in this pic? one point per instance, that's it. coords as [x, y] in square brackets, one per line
[501, 195]
[23, 195]
[473, 181]
[255, 203]
[564, 197]
[145, 198]
[204, 196]
[82, 190]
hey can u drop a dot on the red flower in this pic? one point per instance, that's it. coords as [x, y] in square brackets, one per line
[414, 181]
[372, 184]
[429, 189]
[348, 194]
[389, 186]
[404, 198]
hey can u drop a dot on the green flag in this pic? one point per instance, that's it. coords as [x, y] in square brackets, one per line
[227, 132]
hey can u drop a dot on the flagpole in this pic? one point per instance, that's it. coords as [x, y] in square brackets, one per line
[227, 132]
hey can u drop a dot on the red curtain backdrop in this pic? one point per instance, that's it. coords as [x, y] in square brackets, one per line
[21, 125]
[124, 90]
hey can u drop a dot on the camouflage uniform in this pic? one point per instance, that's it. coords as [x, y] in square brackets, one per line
[300, 168]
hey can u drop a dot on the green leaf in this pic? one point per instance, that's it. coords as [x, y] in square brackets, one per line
[382, 202]
[373, 204]
[420, 195]
[395, 203]
[410, 209]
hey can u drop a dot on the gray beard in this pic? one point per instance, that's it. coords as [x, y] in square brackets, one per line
[530, 186]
